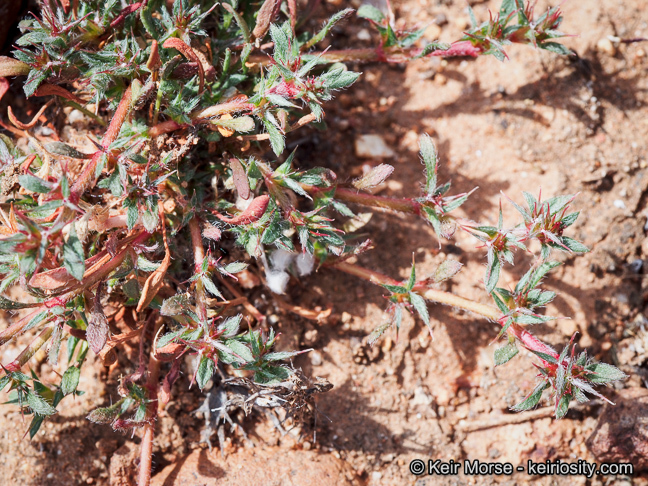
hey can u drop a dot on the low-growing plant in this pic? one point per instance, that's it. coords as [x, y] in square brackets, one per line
[140, 225]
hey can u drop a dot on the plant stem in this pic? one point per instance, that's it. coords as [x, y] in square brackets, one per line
[432, 295]
[447, 298]
[146, 447]
[199, 256]
[86, 178]
[390, 54]
[405, 205]
[86, 112]
[30, 350]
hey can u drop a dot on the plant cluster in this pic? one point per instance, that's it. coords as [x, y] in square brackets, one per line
[179, 173]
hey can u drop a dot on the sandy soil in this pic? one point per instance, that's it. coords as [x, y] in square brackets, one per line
[535, 121]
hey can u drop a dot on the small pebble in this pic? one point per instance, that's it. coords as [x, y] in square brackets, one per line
[605, 46]
[75, 116]
[364, 35]
[315, 358]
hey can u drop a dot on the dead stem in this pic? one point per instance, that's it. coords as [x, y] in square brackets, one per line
[246, 303]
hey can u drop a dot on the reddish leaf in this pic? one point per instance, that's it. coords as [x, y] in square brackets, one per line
[51, 89]
[180, 46]
[240, 178]
[267, 13]
[97, 332]
[253, 212]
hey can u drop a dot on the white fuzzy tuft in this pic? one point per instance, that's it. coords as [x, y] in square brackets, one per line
[281, 260]
[277, 281]
[305, 262]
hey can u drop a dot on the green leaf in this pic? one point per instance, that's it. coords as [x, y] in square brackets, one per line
[35, 184]
[505, 353]
[412, 278]
[63, 149]
[150, 220]
[104, 415]
[473, 19]
[532, 400]
[73, 256]
[39, 405]
[569, 219]
[396, 289]
[271, 374]
[328, 25]
[544, 356]
[211, 287]
[132, 213]
[239, 20]
[339, 78]
[432, 47]
[7, 304]
[240, 349]
[35, 425]
[374, 177]
[281, 355]
[507, 7]
[235, 267]
[282, 45]
[371, 13]
[168, 338]
[452, 203]
[71, 346]
[533, 277]
[447, 270]
[430, 160]
[35, 78]
[573, 245]
[276, 138]
[556, 48]
[501, 305]
[230, 326]
[530, 319]
[563, 406]
[175, 305]
[603, 373]
[70, 380]
[205, 371]
[492, 274]
[378, 332]
[239, 124]
[421, 307]
[145, 265]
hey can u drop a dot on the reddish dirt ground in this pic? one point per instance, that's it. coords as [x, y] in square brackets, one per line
[535, 121]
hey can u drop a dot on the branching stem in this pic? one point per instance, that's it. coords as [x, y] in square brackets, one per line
[447, 298]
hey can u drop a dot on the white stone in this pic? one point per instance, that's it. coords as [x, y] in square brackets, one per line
[372, 146]
[364, 35]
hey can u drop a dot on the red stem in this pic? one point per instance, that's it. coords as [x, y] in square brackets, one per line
[87, 176]
[146, 448]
